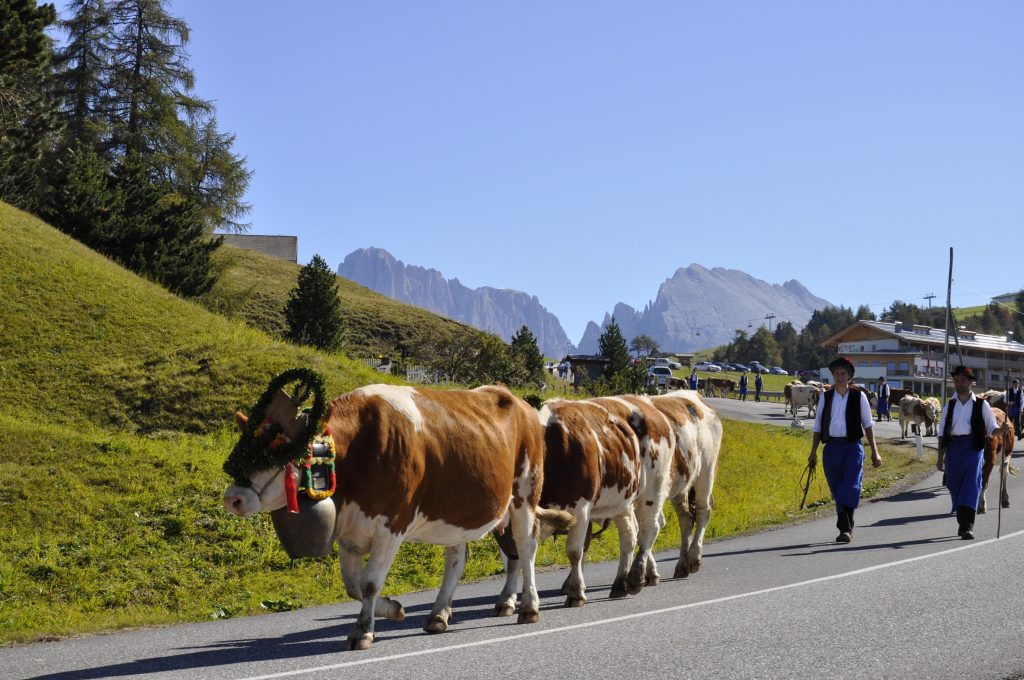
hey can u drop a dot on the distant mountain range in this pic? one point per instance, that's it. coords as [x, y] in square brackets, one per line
[714, 302]
[499, 311]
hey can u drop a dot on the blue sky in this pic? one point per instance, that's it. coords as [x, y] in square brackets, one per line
[582, 151]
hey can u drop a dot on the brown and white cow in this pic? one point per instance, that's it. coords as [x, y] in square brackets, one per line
[698, 432]
[714, 387]
[998, 451]
[593, 469]
[995, 398]
[413, 464]
[657, 440]
[916, 411]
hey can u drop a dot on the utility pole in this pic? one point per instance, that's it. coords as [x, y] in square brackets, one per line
[929, 297]
[770, 317]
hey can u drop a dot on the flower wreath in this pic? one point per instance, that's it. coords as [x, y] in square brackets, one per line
[263, 445]
[318, 478]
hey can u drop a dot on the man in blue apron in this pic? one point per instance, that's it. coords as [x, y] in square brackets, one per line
[743, 386]
[843, 417]
[964, 423]
[883, 400]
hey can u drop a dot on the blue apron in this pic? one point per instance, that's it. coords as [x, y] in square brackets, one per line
[883, 406]
[843, 463]
[963, 472]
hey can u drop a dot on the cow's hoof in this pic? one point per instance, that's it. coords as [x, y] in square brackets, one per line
[1006, 504]
[532, 616]
[981, 511]
[504, 610]
[694, 566]
[397, 612]
[636, 586]
[360, 643]
[618, 589]
[573, 602]
[652, 580]
[681, 571]
[436, 624]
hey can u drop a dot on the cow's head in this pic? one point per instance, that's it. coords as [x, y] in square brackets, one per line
[274, 434]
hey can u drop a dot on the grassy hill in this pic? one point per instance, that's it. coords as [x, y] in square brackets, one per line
[254, 287]
[115, 421]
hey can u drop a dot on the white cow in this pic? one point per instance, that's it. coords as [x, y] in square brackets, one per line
[804, 395]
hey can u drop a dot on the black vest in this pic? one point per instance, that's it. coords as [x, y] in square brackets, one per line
[977, 425]
[854, 429]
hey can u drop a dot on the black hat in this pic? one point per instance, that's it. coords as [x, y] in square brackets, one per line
[841, 362]
[965, 372]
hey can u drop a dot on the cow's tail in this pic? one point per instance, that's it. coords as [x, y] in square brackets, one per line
[551, 521]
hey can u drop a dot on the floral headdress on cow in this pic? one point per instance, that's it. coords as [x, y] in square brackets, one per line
[266, 444]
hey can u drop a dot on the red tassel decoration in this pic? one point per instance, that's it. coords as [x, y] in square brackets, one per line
[291, 496]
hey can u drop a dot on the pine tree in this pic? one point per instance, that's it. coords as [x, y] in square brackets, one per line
[82, 199]
[612, 346]
[154, 113]
[527, 358]
[83, 72]
[28, 119]
[313, 311]
[157, 234]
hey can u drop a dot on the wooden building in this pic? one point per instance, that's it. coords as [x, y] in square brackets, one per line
[910, 356]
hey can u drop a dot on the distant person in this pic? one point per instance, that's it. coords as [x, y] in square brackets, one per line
[758, 384]
[843, 418]
[743, 386]
[1013, 404]
[694, 381]
[883, 400]
[964, 423]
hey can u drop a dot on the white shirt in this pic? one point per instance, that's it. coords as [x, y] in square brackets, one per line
[837, 422]
[962, 416]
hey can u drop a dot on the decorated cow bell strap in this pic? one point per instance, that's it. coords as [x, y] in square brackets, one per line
[316, 472]
[265, 443]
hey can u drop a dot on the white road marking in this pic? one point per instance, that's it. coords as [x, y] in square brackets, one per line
[626, 617]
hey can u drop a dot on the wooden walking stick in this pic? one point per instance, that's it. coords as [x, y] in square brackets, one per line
[809, 472]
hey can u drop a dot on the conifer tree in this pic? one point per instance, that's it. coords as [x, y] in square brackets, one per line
[156, 233]
[313, 311]
[27, 120]
[83, 72]
[527, 358]
[612, 346]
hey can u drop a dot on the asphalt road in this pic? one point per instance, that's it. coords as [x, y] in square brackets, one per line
[906, 599]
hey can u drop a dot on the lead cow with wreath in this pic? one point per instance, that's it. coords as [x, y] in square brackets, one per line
[408, 464]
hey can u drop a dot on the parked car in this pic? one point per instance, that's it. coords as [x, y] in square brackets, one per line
[809, 375]
[659, 375]
[740, 367]
[757, 367]
[663, 361]
[707, 366]
[778, 370]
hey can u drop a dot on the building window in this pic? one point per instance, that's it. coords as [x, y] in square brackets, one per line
[862, 364]
[862, 348]
[876, 364]
[874, 347]
[903, 365]
[891, 366]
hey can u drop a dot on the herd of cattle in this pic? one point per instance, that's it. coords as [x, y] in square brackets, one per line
[447, 467]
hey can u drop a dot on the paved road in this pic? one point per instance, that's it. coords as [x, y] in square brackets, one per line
[905, 599]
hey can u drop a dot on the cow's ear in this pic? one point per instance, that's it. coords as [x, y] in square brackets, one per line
[241, 420]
